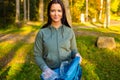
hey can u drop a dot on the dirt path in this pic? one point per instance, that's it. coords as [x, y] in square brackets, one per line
[15, 39]
[80, 32]
[29, 38]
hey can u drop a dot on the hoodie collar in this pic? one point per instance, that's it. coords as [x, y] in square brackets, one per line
[52, 27]
[61, 29]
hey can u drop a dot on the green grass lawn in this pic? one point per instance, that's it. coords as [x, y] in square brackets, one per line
[17, 60]
[98, 64]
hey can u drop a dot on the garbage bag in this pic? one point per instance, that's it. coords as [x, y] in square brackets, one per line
[69, 71]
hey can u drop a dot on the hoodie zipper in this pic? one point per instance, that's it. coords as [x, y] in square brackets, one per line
[58, 45]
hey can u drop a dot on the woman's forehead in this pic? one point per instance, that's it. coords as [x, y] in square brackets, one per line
[56, 6]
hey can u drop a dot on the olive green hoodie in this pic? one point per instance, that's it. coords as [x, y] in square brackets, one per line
[52, 46]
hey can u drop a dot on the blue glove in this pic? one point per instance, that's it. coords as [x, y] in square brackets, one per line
[49, 74]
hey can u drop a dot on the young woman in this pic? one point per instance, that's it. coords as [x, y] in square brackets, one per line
[55, 42]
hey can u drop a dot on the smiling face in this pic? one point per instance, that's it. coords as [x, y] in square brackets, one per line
[56, 13]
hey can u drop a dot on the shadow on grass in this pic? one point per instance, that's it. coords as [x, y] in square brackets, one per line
[102, 66]
[29, 70]
[16, 30]
[6, 59]
[4, 74]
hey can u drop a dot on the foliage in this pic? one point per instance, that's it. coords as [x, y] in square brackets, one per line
[77, 9]
[7, 13]
[34, 10]
[118, 10]
[8, 10]
[115, 5]
[94, 8]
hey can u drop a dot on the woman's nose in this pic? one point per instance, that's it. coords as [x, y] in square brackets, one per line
[56, 13]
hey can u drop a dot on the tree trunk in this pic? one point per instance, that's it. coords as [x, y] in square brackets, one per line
[71, 3]
[41, 10]
[86, 10]
[107, 16]
[101, 7]
[25, 17]
[4, 12]
[28, 10]
[68, 14]
[17, 11]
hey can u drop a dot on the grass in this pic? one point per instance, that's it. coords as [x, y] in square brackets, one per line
[115, 17]
[81, 24]
[99, 64]
[17, 60]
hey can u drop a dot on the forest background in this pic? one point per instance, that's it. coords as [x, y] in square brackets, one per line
[12, 11]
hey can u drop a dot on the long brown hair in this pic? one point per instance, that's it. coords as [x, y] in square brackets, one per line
[63, 20]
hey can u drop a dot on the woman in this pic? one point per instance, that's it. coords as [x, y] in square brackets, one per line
[55, 42]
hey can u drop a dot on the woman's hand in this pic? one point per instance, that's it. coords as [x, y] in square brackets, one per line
[49, 74]
[78, 54]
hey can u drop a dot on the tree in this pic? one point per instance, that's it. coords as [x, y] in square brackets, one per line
[28, 10]
[78, 8]
[17, 11]
[101, 7]
[25, 17]
[107, 16]
[68, 14]
[34, 14]
[7, 12]
[86, 10]
[41, 10]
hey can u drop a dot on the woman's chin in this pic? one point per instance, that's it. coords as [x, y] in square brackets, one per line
[56, 21]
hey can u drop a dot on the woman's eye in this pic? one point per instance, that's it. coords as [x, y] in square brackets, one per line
[56, 10]
[59, 11]
[52, 10]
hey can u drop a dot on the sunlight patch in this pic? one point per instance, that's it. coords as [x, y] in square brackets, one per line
[89, 70]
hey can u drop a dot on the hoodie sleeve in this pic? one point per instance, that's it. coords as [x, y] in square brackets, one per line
[73, 47]
[38, 51]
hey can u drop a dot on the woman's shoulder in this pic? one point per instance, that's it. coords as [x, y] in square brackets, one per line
[67, 28]
[44, 29]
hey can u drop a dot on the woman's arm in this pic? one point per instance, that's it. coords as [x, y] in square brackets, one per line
[38, 51]
[74, 51]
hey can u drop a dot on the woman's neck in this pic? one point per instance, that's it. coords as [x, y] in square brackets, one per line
[56, 24]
